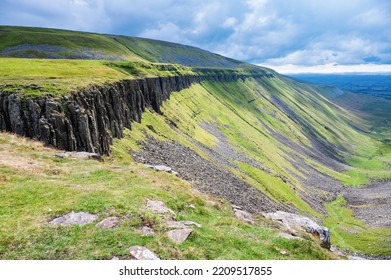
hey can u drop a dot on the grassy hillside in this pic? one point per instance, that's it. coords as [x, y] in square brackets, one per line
[36, 187]
[275, 149]
[306, 153]
[27, 42]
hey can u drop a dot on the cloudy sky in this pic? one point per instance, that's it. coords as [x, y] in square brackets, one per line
[287, 35]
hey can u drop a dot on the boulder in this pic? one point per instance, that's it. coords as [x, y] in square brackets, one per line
[295, 222]
[324, 235]
[141, 253]
[73, 218]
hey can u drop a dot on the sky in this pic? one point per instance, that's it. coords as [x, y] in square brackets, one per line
[290, 36]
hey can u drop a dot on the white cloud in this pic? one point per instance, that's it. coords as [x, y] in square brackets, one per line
[164, 31]
[373, 18]
[330, 68]
[230, 22]
[277, 32]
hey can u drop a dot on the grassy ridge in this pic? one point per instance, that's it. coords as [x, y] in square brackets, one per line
[38, 76]
[12, 37]
[34, 77]
[32, 42]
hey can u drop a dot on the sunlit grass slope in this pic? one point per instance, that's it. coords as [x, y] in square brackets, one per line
[35, 77]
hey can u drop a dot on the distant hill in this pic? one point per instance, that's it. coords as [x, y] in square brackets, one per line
[29, 42]
[378, 85]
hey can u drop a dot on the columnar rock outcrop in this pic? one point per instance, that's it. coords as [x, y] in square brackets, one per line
[88, 120]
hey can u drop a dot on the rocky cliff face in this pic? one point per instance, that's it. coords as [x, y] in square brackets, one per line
[88, 120]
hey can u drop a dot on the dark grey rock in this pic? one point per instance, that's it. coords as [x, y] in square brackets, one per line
[324, 235]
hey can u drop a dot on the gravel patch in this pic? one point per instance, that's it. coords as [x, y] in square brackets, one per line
[205, 175]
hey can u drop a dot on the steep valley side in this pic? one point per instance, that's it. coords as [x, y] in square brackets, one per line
[263, 142]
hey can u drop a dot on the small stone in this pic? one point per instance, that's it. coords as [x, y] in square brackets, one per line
[244, 216]
[141, 253]
[179, 235]
[146, 231]
[108, 223]
[236, 207]
[115, 259]
[282, 252]
[162, 168]
[120, 245]
[86, 155]
[73, 218]
[158, 207]
[80, 155]
[355, 258]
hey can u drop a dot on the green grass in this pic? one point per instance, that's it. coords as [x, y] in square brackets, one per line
[276, 188]
[40, 187]
[33, 77]
[352, 234]
[71, 41]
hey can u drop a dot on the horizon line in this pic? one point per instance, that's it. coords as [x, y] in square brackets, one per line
[332, 68]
